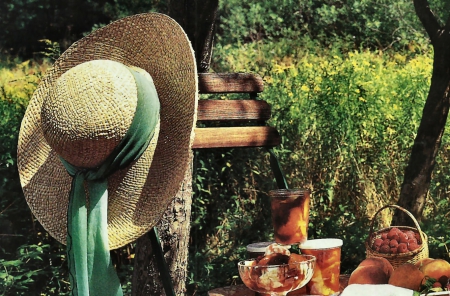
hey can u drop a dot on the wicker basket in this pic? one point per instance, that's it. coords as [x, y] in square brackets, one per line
[398, 259]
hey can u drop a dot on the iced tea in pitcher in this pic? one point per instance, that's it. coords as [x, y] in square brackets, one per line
[290, 215]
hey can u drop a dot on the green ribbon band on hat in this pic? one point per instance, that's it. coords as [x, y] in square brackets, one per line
[90, 265]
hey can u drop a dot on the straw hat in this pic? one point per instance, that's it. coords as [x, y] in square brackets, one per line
[84, 134]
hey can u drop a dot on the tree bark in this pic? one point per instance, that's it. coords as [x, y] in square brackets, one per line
[198, 19]
[426, 145]
[174, 234]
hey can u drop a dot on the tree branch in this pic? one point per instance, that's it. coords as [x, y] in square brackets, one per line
[427, 18]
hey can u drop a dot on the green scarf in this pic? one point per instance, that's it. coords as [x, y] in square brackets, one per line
[90, 265]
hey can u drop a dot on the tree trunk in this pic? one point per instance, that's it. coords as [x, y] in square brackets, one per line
[426, 145]
[174, 234]
[198, 20]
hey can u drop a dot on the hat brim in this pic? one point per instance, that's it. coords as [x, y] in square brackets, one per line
[139, 194]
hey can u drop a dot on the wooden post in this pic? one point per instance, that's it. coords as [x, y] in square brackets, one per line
[174, 233]
[174, 227]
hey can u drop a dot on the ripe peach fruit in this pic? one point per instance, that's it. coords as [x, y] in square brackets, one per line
[402, 248]
[296, 258]
[410, 234]
[402, 237]
[377, 243]
[407, 276]
[382, 263]
[418, 238]
[385, 249]
[421, 262]
[438, 269]
[368, 275]
[393, 244]
[413, 246]
[412, 240]
[393, 233]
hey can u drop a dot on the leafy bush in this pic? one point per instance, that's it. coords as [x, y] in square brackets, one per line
[30, 259]
[367, 23]
[348, 120]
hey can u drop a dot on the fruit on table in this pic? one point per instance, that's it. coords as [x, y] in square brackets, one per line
[373, 270]
[407, 276]
[277, 271]
[290, 215]
[438, 269]
[382, 263]
[368, 275]
[379, 271]
[397, 241]
[423, 261]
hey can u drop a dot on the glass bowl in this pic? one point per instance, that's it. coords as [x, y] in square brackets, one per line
[277, 279]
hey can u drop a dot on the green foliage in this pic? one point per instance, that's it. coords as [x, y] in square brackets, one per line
[30, 259]
[367, 23]
[225, 212]
[348, 120]
[34, 268]
[52, 49]
[347, 116]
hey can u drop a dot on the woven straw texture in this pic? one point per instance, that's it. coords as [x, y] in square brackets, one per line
[398, 259]
[139, 194]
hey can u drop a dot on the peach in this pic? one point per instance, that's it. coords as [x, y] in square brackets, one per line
[393, 244]
[382, 263]
[296, 258]
[412, 241]
[418, 238]
[368, 275]
[402, 237]
[377, 243]
[438, 269]
[407, 276]
[410, 234]
[274, 259]
[402, 248]
[413, 246]
[385, 249]
[423, 261]
[394, 233]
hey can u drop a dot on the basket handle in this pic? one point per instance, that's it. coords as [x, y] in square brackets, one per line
[399, 208]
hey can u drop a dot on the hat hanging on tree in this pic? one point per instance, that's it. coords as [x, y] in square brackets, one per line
[104, 143]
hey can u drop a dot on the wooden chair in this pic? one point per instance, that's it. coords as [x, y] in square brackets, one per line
[251, 110]
[237, 123]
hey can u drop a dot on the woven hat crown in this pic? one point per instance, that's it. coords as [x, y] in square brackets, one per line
[89, 110]
[67, 118]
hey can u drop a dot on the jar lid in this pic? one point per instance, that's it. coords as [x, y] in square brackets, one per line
[289, 193]
[322, 243]
[260, 247]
